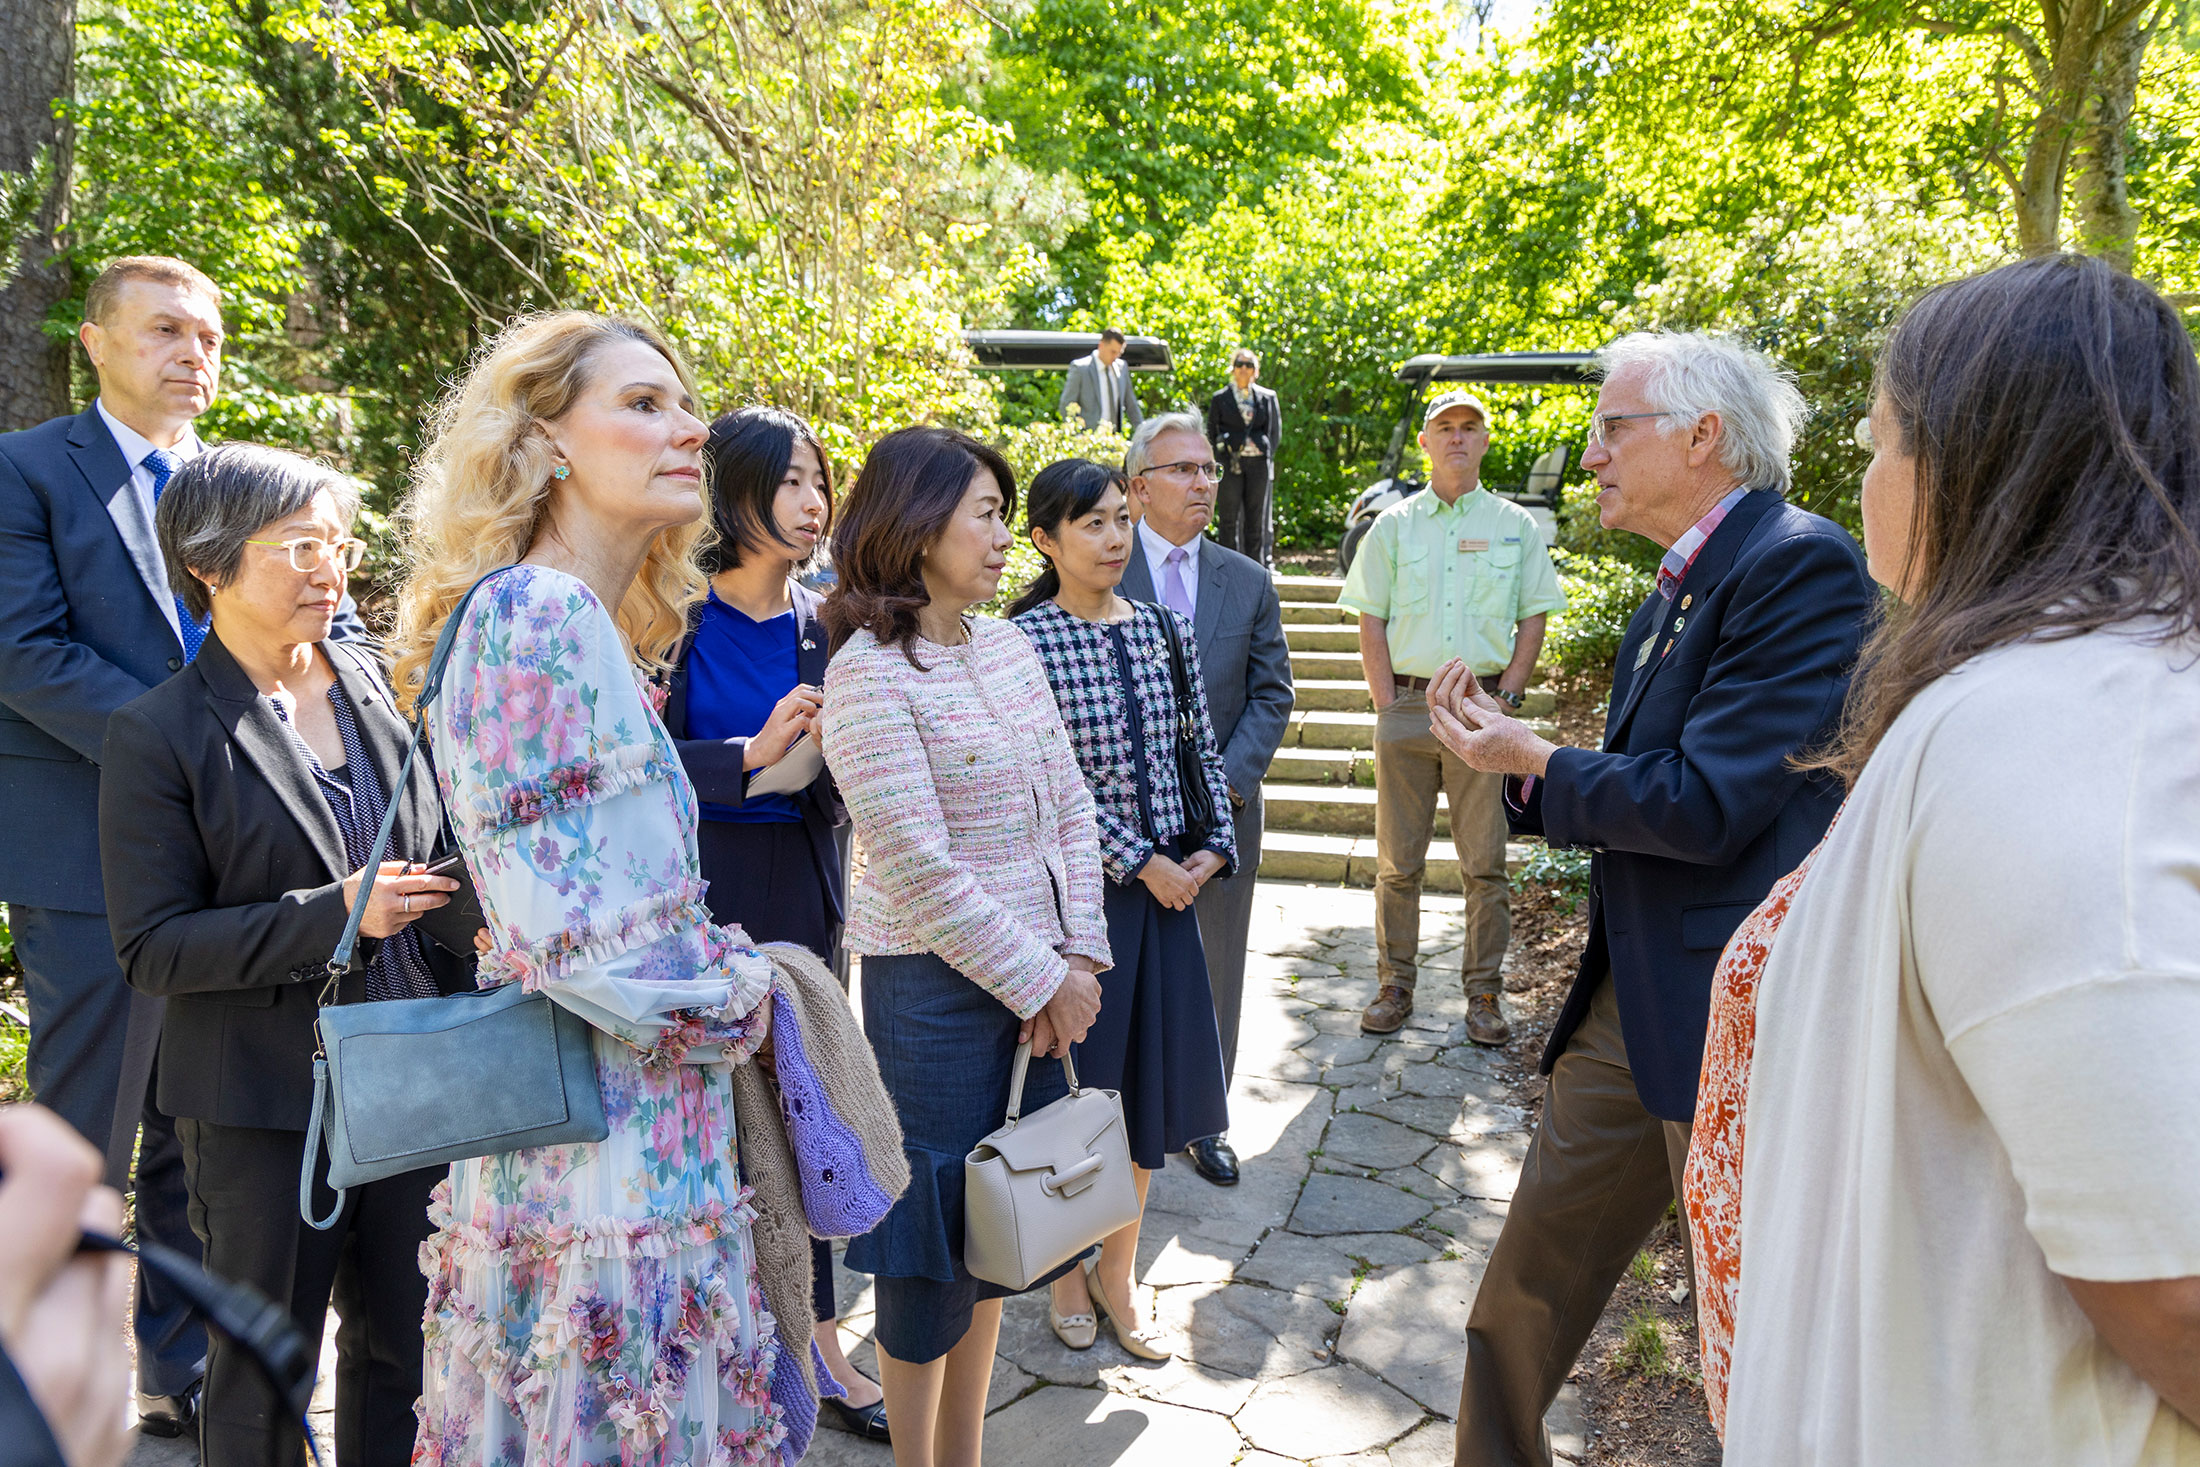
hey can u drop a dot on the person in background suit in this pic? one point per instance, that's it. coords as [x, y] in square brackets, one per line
[1245, 424]
[1737, 663]
[88, 621]
[1098, 388]
[1245, 667]
[239, 806]
[746, 686]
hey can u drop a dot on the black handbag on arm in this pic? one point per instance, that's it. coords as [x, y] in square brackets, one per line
[1200, 816]
[407, 1083]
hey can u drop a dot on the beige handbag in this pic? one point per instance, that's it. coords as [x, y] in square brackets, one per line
[1044, 1188]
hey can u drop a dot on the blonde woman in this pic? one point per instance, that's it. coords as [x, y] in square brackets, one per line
[589, 1304]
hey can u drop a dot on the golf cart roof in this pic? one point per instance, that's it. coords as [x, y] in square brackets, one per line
[1503, 366]
[1053, 351]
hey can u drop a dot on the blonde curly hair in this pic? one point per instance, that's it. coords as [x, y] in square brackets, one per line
[481, 489]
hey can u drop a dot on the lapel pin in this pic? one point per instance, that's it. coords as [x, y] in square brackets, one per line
[808, 645]
[1685, 600]
[1644, 655]
[1678, 623]
[1668, 647]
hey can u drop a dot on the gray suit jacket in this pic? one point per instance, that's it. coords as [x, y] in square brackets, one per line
[1243, 659]
[1082, 389]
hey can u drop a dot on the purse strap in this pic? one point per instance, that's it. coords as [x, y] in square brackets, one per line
[1016, 1081]
[339, 962]
[1187, 711]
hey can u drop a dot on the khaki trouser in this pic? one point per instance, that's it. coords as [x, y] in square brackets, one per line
[1411, 768]
[1597, 1180]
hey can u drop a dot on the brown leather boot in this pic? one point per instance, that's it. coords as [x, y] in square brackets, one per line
[1387, 1012]
[1486, 1021]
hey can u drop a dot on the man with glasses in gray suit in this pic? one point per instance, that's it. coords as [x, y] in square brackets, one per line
[1245, 667]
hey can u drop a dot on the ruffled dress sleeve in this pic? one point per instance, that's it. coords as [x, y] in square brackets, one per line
[579, 827]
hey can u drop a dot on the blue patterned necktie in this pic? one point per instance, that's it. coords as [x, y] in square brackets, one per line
[161, 464]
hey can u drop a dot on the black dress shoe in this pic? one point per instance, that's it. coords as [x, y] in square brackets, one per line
[169, 1416]
[1213, 1159]
[868, 1422]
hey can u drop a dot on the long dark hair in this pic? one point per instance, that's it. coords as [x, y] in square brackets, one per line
[2053, 407]
[907, 492]
[750, 450]
[1064, 490]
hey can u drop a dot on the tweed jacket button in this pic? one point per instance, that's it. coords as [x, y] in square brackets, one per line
[971, 757]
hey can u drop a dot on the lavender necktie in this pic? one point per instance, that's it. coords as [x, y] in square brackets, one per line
[1174, 593]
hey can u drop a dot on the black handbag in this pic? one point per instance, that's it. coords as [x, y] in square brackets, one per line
[1200, 817]
[416, 1082]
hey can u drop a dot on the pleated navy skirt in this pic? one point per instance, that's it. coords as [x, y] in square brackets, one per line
[1155, 1041]
[945, 1048]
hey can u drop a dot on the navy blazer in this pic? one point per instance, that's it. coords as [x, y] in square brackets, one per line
[1690, 807]
[714, 765]
[1244, 661]
[81, 634]
[225, 881]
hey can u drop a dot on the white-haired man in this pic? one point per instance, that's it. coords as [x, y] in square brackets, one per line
[1245, 667]
[1738, 660]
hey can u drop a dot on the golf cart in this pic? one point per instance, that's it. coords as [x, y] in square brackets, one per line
[1538, 493]
[1053, 351]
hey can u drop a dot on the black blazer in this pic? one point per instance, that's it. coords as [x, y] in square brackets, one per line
[1229, 430]
[81, 634]
[714, 765]
[1690, 807]
[225, 881]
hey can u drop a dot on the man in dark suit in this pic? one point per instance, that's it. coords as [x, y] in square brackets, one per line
[1245, 668]
[1246, 427]
[88, 621]
[1097, 392]
[1739, 660]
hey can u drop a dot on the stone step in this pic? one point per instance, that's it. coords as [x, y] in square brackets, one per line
[1316, 614]
[1323, 766]
[1333, 695]
[1329, 809]
[1322, 728]
[1340, 860]
[1321, 639]
[1308, 588]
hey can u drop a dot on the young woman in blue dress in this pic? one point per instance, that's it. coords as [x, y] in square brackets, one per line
[744, 693]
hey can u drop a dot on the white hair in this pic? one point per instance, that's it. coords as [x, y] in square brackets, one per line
[1687, 374]
[1139, 456]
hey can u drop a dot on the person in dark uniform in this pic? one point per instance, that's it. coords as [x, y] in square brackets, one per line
[1245, 425]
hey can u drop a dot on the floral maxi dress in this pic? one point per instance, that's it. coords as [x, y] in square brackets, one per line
[595, 1304]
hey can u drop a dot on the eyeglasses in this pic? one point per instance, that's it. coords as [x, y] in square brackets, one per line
[1863, 434]
[309, 551]
[1600, 426]
[1206, 469]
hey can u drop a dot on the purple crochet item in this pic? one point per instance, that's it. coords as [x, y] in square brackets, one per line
[839, 1194]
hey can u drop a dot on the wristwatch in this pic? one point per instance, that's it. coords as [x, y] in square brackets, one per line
[1510, 700]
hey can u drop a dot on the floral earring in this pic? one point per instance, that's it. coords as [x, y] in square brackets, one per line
[561, 473]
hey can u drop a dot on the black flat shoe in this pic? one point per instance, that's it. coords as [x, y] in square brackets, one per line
[1213, 1159]
[868, 1422]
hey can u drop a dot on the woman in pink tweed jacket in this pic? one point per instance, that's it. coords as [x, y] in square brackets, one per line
[979, 913]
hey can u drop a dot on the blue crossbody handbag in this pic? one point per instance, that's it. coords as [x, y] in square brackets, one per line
[408, 1083]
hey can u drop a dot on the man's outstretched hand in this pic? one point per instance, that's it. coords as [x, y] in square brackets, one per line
[1476, 727]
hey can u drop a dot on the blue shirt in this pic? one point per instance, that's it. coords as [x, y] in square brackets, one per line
[738, 670]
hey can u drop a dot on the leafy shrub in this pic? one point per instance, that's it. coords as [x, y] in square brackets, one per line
[1565, 872]
[1602, 595]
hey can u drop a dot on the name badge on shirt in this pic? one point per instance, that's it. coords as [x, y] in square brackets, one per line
[1469, 547]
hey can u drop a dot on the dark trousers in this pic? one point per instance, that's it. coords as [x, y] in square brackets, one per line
[1244, 508]
[244, 1204]
[1224, 907]
[1598, 1178]
[93, 1045]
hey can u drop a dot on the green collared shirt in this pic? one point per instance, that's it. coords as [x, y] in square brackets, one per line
[1453, 580]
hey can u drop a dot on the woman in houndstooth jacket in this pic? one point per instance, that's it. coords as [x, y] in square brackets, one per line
[1155, 1041]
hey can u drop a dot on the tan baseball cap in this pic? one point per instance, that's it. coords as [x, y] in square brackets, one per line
[1444, 402]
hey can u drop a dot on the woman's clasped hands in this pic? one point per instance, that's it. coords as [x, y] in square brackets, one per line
[1177, 886]
[1067, 1015]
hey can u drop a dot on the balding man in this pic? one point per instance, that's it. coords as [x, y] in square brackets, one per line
[1738, 661]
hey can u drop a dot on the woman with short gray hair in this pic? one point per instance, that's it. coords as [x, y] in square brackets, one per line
[238, 803]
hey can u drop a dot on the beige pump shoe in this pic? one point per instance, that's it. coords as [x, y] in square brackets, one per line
[1077, 1331]
[1144, 1343]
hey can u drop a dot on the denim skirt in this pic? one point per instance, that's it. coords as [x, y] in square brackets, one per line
[945, 1048]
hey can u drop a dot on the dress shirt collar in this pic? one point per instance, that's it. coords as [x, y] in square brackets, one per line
[135, 445]
[1674, 568]
[1158, 548]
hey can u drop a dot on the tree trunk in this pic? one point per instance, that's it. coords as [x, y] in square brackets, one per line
[2038, 195]
[38, 38]
[2107, 224]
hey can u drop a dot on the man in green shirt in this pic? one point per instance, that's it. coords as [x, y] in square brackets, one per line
[1454, 571]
